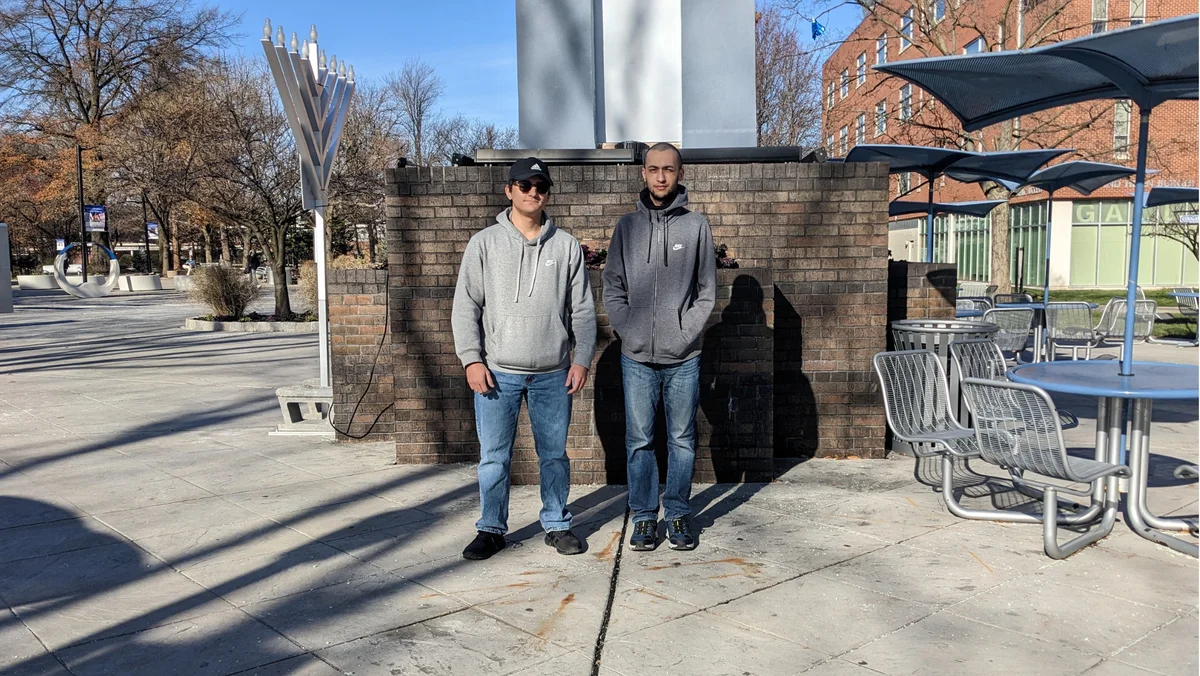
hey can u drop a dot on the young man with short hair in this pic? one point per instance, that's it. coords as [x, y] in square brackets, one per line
[659, 288]
[522, 302]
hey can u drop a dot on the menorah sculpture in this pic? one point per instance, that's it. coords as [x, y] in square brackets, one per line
[316, 95]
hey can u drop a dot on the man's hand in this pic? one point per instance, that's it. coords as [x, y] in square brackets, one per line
[576, 378]
[480, 378]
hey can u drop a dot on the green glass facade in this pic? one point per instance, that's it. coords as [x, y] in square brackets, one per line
[1027, 242]
[1101, 231]
[1100, 234]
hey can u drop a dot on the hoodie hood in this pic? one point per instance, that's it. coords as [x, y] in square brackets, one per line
[532, 246]
[663, 215]
[679, 201]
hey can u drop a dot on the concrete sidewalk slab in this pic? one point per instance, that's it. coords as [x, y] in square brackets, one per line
[157, 528]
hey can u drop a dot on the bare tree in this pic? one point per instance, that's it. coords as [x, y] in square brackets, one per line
[462, 135]
[416, 90]
[154, 149]
[252, 176]
[76, 62]
[369, 145]
[787, 83]
[1173, 227]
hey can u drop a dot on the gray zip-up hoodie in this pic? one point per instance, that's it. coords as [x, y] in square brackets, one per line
[520, 305]
[660, 281]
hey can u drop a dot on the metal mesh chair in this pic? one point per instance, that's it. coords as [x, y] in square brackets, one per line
[1002, 298]
[1069, 322]
[974, 288]
[1014, 326]
[916, 402]
[979, 303]
[979, 358]
[1112, 321]
[1017, 428]
[1187, 304]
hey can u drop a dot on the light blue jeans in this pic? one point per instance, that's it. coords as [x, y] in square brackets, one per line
[496, 424]
[678, 386]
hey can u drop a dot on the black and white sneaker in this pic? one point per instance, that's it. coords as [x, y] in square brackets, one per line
[679, 534]
[564, 542]
[645, 535]
[483, 546]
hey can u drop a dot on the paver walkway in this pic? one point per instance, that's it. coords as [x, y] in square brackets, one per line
[149, 525]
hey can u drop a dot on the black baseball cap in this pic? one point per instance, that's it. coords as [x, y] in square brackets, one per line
[527, 168]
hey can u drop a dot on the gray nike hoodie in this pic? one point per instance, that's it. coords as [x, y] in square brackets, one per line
[660, 280]
[520, 305]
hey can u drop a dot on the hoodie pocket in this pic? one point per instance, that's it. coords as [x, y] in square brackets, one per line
[672, 343]
[637, 330]
[529, 343]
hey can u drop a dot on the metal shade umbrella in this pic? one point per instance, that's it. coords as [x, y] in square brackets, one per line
[1158, 197]
[1148, 64]
[979, 208]
[931, 162]
[1083, 178]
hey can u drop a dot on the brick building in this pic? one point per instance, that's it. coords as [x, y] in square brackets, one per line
[865, 106]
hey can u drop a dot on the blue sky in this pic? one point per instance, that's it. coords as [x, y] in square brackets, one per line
[471, 43]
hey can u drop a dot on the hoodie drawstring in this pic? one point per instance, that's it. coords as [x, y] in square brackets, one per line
[536, 263]
[520, 266]
[665, 221]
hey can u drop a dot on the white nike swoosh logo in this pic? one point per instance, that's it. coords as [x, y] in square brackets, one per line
[677, 247]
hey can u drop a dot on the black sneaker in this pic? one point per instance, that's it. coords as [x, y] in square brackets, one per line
[679, 534]
[564, 542]
[645, 535]
[483, 546]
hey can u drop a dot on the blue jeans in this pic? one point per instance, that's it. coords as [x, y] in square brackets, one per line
[496, 424]
[678, 386]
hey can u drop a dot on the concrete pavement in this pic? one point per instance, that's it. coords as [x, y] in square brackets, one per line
[149, 525]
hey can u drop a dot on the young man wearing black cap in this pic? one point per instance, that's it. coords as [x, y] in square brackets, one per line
[523, 301]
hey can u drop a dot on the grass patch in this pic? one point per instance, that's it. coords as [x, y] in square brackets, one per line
[1174, 326]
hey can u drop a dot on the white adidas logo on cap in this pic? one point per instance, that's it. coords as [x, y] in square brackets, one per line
[536, 167]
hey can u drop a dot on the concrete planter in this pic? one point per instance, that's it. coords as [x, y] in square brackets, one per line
[141, 283]
[183, 283]
[42, 282]
[250, 327]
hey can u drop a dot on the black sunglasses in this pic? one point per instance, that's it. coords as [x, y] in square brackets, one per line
[526, 186]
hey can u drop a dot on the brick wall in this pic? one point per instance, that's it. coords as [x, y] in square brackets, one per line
[811, 237]
[921, 290]
[360, 355]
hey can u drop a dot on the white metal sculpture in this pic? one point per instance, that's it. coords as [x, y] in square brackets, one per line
[87, 288]
[316, 95]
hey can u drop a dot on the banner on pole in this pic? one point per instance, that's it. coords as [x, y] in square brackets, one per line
[152, 230]
[60, 244]
[96, 218]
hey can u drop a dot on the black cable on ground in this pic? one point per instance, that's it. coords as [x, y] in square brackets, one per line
[387, 310]
[612, 592]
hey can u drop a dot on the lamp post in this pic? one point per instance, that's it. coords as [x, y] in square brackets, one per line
[315, 95]
[83, 235]
[146, 235]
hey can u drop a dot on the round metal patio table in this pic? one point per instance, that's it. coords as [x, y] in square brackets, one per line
[1102, 379]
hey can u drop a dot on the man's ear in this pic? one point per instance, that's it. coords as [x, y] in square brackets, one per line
[508, 191]
[679, 173]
